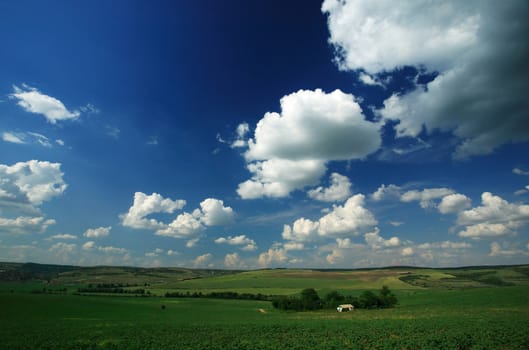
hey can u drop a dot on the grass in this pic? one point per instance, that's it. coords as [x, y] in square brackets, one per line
[438, 316]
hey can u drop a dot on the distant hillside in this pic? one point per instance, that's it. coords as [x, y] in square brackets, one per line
[65, 274]
[271, 281]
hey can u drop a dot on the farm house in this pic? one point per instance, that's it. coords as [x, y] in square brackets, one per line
[345, 307]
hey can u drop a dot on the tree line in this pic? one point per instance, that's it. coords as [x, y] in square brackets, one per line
[310, 300]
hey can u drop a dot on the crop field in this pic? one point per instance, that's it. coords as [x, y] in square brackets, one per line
[49, 315]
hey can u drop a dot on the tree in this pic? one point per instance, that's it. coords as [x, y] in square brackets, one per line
[387, 298]
[310, 299]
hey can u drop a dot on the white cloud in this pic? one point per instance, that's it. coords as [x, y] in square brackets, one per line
[474, 46]
[396, 223]
[426, 196]
[63, 248]
[519, 171]
[272, 256]
[335, 256]
[482, 230]
[232, 261]
[13, 138]
[293, 246]
[369, 80]
[242, 240]
[25, 225]
[278, 177]
[31, 182]
[214, 213]
[289, 150]
[171, 252]
[33, 101]
[155, 253]
[445, 245]
[381, 35]
[408, 251]
[495, 217]
[192, 242]
[97, 232]
[145, 205]
[339, 190]
[454, 203]
[29, 138]
[496, 249]
[89, 245]
[350, 219]
[375, 241]
[202, 260]
[240, 141]
[184, 226]
[62, 236]
[385, 192]
[112, 250]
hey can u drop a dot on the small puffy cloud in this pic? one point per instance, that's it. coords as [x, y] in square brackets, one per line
[278, 177]
[232, 261]
[385, 192]
[272, 256]
[339, 190]
[89, 245]
[97, 232]
[154, 253]
[247, 243]
[32, 182]
[33, 101]
[214, 213]
[240, 141]
[335, 256]
[171, 252]
[408, 251]
[145, 205]
[519, 171]
[25, 225]
[426, 196]
[349, 219]
[495, 217]
[202, 260]
[289, 150]
[369, 80]
[184, 226]
[454, 203]
[192, 242]
[375, 241]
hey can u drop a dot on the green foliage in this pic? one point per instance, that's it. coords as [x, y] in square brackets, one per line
[310, 300]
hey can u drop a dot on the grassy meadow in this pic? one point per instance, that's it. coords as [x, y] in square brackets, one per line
[479, 308]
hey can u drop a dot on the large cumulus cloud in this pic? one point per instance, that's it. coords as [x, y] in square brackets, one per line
[478, 49]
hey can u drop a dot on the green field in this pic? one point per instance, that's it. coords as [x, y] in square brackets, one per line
[474, 308]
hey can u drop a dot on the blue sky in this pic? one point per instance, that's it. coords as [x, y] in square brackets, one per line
[243, 134]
